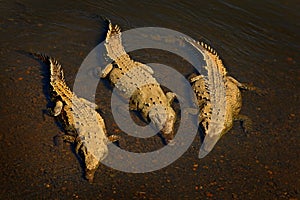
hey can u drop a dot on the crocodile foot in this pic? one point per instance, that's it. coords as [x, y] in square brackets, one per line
[113, 138]
[62, 137]
[249, 87]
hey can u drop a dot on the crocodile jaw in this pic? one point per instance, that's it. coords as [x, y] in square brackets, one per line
[208, 144]
[164, 120]
[168, 129]
[91, 163]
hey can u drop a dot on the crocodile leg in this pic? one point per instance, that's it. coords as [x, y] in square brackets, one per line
[78, 145]
[194, 78]
[57, 109]
[63, 137]
[246, 86]
[70, 130]
[113, 138]
[68, 138]
[106, 70]
[146, 67]
[170, 96]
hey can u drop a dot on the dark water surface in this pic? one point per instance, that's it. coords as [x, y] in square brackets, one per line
[259, 43]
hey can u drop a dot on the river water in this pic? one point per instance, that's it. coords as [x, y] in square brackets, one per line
[259, 44]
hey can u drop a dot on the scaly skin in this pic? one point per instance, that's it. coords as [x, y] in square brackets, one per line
[134, 80]
[84, 126]
[233, 102]
[233, 99]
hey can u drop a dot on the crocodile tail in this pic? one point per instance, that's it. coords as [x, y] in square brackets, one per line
[113, 31]
[113, 42]
[216, 87]
[56, 72]
[214, 56]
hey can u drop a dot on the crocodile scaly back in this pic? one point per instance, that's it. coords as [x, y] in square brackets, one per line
[213, 107]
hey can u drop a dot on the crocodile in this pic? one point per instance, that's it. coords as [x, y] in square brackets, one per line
[83, 125]
[226, 110]
[135, 81]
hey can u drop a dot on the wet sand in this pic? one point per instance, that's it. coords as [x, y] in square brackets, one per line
[259, 44]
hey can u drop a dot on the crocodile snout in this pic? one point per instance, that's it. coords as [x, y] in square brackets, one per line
[89, 174]
[164, 120]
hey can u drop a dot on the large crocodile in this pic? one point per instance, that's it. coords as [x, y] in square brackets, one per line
[84, 126]
[225, 111]
[135, 81]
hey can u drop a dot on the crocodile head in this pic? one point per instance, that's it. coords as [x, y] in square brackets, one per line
[91, 160]
[163, 119]
[91, 164]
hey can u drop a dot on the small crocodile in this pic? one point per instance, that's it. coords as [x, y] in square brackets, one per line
[135, 81]
[83, 124]
[226, 111]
